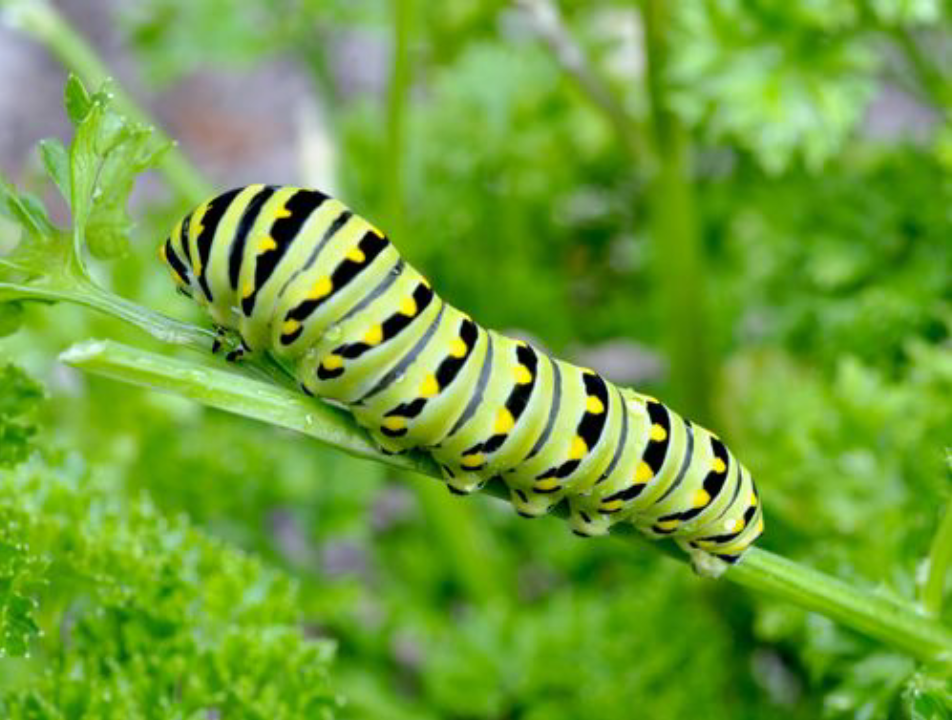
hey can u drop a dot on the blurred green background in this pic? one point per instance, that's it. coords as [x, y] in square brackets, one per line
[741, 207]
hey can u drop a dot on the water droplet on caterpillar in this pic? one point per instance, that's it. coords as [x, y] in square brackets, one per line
[400, 377]
[334, 332]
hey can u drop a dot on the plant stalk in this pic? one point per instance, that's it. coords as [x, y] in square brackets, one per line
[676, 238]
[940, 560]
[884, 619]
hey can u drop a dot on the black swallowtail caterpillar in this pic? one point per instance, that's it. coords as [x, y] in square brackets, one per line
[296, 273]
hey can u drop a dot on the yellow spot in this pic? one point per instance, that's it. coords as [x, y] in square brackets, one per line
[266, 243]
[248, 290]
[408, 306]
[429, 387]
[733, 525]
[282, 214]
[594, 406]
[458, 348]
[701, 497]
[668, 524]
[718, 466]
[760, 525]
[753, 499]
[322, 288]
[612, 505]
[523, 374]
[426, 283]
[374, 336]
[163, 256]
[578, 449]
[197, 266]
[394, 422]
[356, 255]
[472, 460]
[643, 473]
[332, 362]
[290, 326]
[504, 422]
[375, 230]
[547, 484]
[658, 433]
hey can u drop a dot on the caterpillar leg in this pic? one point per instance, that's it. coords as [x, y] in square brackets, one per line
[220, 334]
[704, 563]
[460, 482]
[586, 523]
[530, 504]
[386, 445]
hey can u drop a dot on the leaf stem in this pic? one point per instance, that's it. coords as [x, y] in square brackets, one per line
[940, 559]
[887, 620]
[41, 20]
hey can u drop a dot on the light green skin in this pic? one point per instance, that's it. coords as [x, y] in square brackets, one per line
[605, 468]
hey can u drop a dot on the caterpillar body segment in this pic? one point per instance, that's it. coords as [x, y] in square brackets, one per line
[296, 273]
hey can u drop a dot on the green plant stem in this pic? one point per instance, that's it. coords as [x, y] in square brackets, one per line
[397, 96]
[887, 620]
[676, 239]
[468, 552]
[42, 21]
[940, 559]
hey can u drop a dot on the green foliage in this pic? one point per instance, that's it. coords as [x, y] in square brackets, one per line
[140, 614]
[174, 562]
[107, 153]
[19, 397]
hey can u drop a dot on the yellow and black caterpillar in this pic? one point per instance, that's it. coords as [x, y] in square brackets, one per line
[296, 273]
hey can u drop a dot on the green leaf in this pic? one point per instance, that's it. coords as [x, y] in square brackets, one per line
[76, 100]
[25, 209]
[56, 161]
[107, 154]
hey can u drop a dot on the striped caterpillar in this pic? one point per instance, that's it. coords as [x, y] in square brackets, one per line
[299, 275]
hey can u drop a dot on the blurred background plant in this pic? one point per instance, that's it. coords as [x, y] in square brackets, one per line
[742, 207]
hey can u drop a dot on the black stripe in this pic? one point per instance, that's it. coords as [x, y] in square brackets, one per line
[245, 223]
[213, 214]
[481, 383]
[553, 409]
[622, 440]
[283, 231]
[401, 367]
[329, 232]
[379, 289]
[183, 239]
[371, 245]
[392, 326]
[656, 450]
[180, 270]
[737, 489]
[450, 366]
[685, 463]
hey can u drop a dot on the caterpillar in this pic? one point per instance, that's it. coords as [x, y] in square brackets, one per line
[296, 273]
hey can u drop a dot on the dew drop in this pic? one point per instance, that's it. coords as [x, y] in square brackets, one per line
[334, 332]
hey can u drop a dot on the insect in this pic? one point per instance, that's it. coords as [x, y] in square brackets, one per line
[295, 273]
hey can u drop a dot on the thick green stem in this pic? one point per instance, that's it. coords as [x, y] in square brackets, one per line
[397, 97]
[46, 24]
[676, 238]
[467, 545]
[940, 559]
[892, 622]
